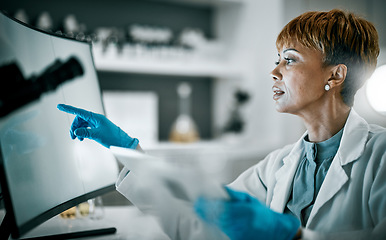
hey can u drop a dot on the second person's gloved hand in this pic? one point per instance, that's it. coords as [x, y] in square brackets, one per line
[244, 217]
[97, 127]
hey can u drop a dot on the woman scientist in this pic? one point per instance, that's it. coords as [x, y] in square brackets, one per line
[331, 184]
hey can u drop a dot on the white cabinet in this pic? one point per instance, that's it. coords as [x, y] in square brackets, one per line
[220, 65]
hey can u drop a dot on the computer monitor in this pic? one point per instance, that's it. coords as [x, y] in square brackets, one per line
[42, 170]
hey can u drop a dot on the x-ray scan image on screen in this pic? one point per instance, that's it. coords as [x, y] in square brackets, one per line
[43, 170]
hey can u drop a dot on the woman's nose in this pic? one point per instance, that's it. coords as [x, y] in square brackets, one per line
[275, 74]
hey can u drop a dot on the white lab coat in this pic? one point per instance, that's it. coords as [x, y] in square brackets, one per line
[351, 203]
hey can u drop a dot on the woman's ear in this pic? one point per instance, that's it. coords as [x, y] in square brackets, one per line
[338, 75]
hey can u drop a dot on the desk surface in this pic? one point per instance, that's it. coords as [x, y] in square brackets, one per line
[129, 221]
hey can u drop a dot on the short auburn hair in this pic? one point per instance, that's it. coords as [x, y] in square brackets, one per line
[343, 38]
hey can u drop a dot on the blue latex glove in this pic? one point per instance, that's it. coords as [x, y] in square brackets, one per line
[97, 127]
[244, 217]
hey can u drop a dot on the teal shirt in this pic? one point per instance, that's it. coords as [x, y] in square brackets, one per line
[310, 175]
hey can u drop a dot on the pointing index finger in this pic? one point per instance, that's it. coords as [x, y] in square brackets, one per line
[76, 111]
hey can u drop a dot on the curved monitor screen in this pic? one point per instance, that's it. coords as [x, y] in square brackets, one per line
[43, 170]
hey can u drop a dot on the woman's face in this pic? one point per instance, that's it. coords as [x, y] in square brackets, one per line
[299, 80]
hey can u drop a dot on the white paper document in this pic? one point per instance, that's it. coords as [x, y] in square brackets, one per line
[184, 180]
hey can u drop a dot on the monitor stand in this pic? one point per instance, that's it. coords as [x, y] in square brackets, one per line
[5, 227]
[73, 235]
[5, 231]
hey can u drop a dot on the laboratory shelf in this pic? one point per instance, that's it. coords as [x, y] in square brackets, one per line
[199, 145]
[204, 2]
[189, 67]
[206, 147]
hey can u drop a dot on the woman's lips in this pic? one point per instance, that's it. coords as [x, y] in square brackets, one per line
[277, 93]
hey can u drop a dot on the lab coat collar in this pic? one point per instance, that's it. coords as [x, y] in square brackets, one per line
[352, 146]
[284, 176]
[354, 138]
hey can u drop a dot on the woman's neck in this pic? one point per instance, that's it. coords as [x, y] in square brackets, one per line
[326, 122]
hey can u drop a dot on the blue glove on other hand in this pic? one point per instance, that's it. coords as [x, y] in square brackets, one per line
[244, 217]
[97, 127]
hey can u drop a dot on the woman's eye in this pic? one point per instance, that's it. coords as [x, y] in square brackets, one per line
[289, 60]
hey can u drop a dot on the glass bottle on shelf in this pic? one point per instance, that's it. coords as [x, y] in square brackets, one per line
[184, 129]
[96, 208]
